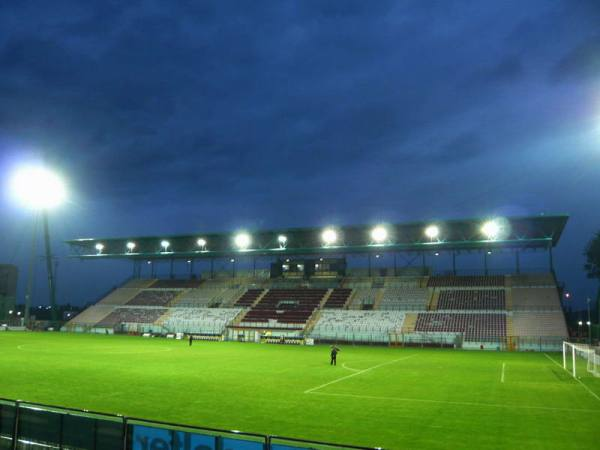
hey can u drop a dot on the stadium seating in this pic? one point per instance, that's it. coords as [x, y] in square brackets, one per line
[153, 298]
[466, 281]
[357, 326]
[541, 323]
[536, 299]
[361, 309]
[289, 306]
[401, 298]
[338, 298]
[119, 296]
[122, 316]
[478, 327]
[532, 280]
[199, 320]
[249, 297]
[472, 299]
[173, 284]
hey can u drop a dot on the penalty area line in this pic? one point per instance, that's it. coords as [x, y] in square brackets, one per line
[576, 379]
[446, 402]
[502, 376]
[360, 372]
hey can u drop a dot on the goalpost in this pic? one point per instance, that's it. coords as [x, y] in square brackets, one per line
[573, 352]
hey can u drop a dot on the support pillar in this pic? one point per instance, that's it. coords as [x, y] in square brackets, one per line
[550, 260]
[453, 262]
[51, 286]
[31, 271]
[485, 264]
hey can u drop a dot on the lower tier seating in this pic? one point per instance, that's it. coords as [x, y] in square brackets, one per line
[542, 323]
[359, 326]
[199, 320]
[478, 327]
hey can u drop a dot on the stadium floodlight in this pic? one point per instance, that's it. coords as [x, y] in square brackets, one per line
[232, 260]
[437, 253]
[588, 323]
[201, 243]
[432, 232]
[491, 229]
[130, 246]
[329, 236]
[38, 188]
[379, 234]
[282, 239]
[580, 322]
[242, 241]
[165, 245]
[99, 247]
[489, 252]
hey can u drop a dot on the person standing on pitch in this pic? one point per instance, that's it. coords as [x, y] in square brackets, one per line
[334, 352]
[190, 339]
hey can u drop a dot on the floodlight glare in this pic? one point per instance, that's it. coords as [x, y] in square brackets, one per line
[130, 246]
[329, 236]
[282, 239]
[490, 229]
[379, 234]
[242, 241]
[99, 246]
[165, 245]
[432, 232]
[580, 322]
[37, 188]
[201, 242]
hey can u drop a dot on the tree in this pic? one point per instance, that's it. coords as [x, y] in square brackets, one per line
[592, 264]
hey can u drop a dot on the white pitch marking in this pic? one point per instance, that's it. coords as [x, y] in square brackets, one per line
[502, 376]
[577, 379]
[350, 368]
[445, 402]
[308, 391]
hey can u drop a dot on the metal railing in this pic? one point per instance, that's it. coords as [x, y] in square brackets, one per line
[29, 426]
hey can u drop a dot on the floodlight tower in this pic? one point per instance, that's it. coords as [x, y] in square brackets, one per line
[39, 189]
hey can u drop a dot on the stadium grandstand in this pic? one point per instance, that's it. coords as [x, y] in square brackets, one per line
[363, 284]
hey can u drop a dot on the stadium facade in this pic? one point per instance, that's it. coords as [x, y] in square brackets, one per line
[377, 284]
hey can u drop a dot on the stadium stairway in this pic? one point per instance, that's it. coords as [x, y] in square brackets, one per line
[410, 322]
[312, 321]
[324, 299]
[433, 302]
[509, 300]
[378, 298]
[510, 331]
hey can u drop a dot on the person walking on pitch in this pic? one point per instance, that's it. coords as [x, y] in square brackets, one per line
[334, 352]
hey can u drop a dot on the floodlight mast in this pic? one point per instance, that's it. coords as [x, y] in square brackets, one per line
[39, 189]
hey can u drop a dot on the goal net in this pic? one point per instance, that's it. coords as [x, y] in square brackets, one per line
[578, 358]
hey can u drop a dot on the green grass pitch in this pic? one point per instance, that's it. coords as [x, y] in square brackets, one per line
[395, 398]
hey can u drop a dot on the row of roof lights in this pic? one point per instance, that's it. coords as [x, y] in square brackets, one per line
[491, 230]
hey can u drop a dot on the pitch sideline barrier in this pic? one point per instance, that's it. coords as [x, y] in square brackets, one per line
[25, 425]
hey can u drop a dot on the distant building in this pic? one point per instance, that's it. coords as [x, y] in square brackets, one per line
[8, 289]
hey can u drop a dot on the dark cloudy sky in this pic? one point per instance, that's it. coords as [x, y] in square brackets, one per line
[193, 115]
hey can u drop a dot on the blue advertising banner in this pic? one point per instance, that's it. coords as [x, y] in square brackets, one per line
[149, 438]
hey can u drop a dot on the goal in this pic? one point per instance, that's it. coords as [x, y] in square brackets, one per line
[579, 356]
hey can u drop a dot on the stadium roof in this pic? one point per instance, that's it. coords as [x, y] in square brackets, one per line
[534, 232]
